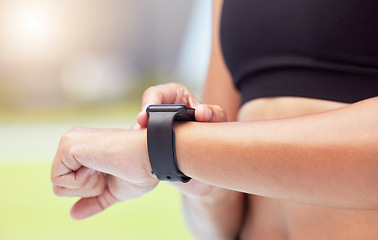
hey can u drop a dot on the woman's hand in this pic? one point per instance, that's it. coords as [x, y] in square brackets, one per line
[103, 167]
[111, 165]
[174, 93]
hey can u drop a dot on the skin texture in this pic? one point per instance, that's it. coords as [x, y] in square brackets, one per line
[99, 178]
[294, 159]
[201, 202]
[81, 169]
[305, 175]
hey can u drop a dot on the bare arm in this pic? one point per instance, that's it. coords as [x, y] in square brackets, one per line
[219, 89]
[219, 214]
[328, 159]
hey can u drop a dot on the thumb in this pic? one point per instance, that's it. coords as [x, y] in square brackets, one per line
[142, 118]
[87, 207]
[210, 113]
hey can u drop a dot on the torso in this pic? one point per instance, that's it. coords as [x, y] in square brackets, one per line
[271, 219]
[314, 49]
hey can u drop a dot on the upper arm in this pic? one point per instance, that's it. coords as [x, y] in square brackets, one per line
[219, 88]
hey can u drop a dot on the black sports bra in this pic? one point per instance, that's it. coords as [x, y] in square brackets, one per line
[323, 49]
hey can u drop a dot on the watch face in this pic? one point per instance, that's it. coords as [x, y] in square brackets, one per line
[167, 108]
[184, 113]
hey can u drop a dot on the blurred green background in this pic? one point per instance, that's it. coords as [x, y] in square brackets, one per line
[67, 63]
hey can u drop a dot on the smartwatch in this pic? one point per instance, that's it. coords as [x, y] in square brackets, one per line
[161, 140]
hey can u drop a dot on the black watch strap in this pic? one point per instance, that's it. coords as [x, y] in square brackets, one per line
[161, 140]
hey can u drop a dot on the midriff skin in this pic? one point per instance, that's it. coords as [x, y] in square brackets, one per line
[272, 219]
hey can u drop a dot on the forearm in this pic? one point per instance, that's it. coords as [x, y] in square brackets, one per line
[218, 215]
[328, 159]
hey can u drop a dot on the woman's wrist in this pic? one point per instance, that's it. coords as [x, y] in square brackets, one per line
[140, 140]
[126, 154]
[190, 147]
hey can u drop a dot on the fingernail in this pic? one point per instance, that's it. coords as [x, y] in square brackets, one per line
[206, 111]
[209, 113]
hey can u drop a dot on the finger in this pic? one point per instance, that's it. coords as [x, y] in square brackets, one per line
[210, 113]
[155, 95]
[87, 207]
[203, 113]
[66, 171]
[194, 188]
[94, 187]
[142, 119]
[171, 93]
[218, 114]
[73, 179]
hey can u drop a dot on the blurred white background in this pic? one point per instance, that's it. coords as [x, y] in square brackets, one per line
[65, 63]
[58, 52]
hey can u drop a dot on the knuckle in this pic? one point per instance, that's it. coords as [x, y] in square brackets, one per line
[54, 180]
[220, 114]
[73, 150]
[99, 185]
[80, 184]
[218, 108]
[70, 135]
[95, 185]
[173, 85]
[69, 144]
[102, 202]
[99, 190]
[78, 129]
[58, 191]
[65, 137]
[185, 91]
[148, 91]
[106, 200]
